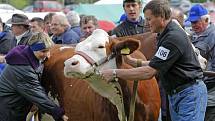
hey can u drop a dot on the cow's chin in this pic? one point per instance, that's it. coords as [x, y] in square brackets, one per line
[77, 73]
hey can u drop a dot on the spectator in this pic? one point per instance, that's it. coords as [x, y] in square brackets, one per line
[134, 23]
[37, 25]
[6, 38]
[20, 91]
[47, 23]
[203, 39]
[21, 29]
[178, 15]
[175, 63]
[88, 25]
[74, 21]
[62, 32]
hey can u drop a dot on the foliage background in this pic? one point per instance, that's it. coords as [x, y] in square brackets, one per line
[20, 4]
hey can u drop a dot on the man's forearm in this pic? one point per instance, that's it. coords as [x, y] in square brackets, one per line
[133, 62]
[140, 73]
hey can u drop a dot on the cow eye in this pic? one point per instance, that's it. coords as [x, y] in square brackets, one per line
[101, 46]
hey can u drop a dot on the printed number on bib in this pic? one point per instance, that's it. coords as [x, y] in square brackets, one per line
[162, 53]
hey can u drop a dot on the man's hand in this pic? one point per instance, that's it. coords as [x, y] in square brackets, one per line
[107, 74]
[2, 59]
[65, 118]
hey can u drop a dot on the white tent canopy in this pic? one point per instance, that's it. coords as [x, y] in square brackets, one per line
[109, 2]
[114, 2]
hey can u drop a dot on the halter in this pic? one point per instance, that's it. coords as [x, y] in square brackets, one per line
[93, 62]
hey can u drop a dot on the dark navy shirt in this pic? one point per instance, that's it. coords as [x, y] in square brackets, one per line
[128, 28]
[175, 59]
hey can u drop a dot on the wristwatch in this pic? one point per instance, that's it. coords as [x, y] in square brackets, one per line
[114, 75]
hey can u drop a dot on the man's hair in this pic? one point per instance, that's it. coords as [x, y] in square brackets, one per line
[62, 20]
[40, 21]
[48, 17]
[86, 19]
[159, 8]
[129, 1]
[73, 18]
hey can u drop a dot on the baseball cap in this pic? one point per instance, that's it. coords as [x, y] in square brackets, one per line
[196, 12]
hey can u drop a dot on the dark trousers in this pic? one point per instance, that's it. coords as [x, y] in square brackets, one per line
[210, 113]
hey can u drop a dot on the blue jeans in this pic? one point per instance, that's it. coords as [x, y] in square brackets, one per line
[2, 65]
[189, 104]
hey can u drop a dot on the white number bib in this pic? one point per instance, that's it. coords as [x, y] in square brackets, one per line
[162, 53]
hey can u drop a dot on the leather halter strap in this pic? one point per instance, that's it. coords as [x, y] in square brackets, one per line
[91, 61]
[86, 57]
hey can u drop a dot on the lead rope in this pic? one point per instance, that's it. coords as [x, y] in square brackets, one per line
[116, 83]
[33, 116]
[134, 96]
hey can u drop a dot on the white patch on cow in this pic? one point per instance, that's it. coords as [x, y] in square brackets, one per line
[82, 66]
[162, 53]
[64, 47]
[95, 47]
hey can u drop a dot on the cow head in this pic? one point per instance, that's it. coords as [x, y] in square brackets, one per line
[98, 50]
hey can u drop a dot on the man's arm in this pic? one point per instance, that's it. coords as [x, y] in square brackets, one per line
[2, 59]
[133, 61]
[140, 73]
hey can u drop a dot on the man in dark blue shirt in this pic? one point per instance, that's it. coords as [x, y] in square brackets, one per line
[175, 63]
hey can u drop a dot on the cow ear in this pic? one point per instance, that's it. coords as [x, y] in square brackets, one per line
[126, 47]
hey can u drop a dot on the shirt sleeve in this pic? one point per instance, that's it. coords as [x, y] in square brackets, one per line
[166, 55]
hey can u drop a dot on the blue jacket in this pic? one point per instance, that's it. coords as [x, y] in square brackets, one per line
[77, 29]
[68, 37]
[6, 41]
[206, 44]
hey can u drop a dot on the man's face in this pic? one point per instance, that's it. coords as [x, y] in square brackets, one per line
[132, 10]
[155, 23]
[35, 27]
[56, 27]
[47, 26]
[88, 28]
[1, 27]
[17, 29]
[199, 26]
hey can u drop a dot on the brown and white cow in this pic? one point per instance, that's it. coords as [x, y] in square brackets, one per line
[96, 50]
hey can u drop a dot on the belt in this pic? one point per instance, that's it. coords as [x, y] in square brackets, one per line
[184, 86]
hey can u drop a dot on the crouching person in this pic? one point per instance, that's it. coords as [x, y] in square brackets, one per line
[20, 86]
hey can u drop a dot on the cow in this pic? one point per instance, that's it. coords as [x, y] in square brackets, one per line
[97, 50]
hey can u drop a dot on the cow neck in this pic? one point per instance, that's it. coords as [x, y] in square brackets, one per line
[111, 64]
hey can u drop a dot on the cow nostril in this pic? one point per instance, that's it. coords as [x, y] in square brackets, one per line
[74, 63]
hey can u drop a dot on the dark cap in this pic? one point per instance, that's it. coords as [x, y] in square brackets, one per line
[125, 1]
[20, 19]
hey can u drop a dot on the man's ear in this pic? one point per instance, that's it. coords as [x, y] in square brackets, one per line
[126, 47]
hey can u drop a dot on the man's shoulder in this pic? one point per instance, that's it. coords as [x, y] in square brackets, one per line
[119, 27]
[70, 32]
[118, 30]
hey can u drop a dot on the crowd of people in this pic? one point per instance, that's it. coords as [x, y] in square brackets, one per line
[187, 94]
